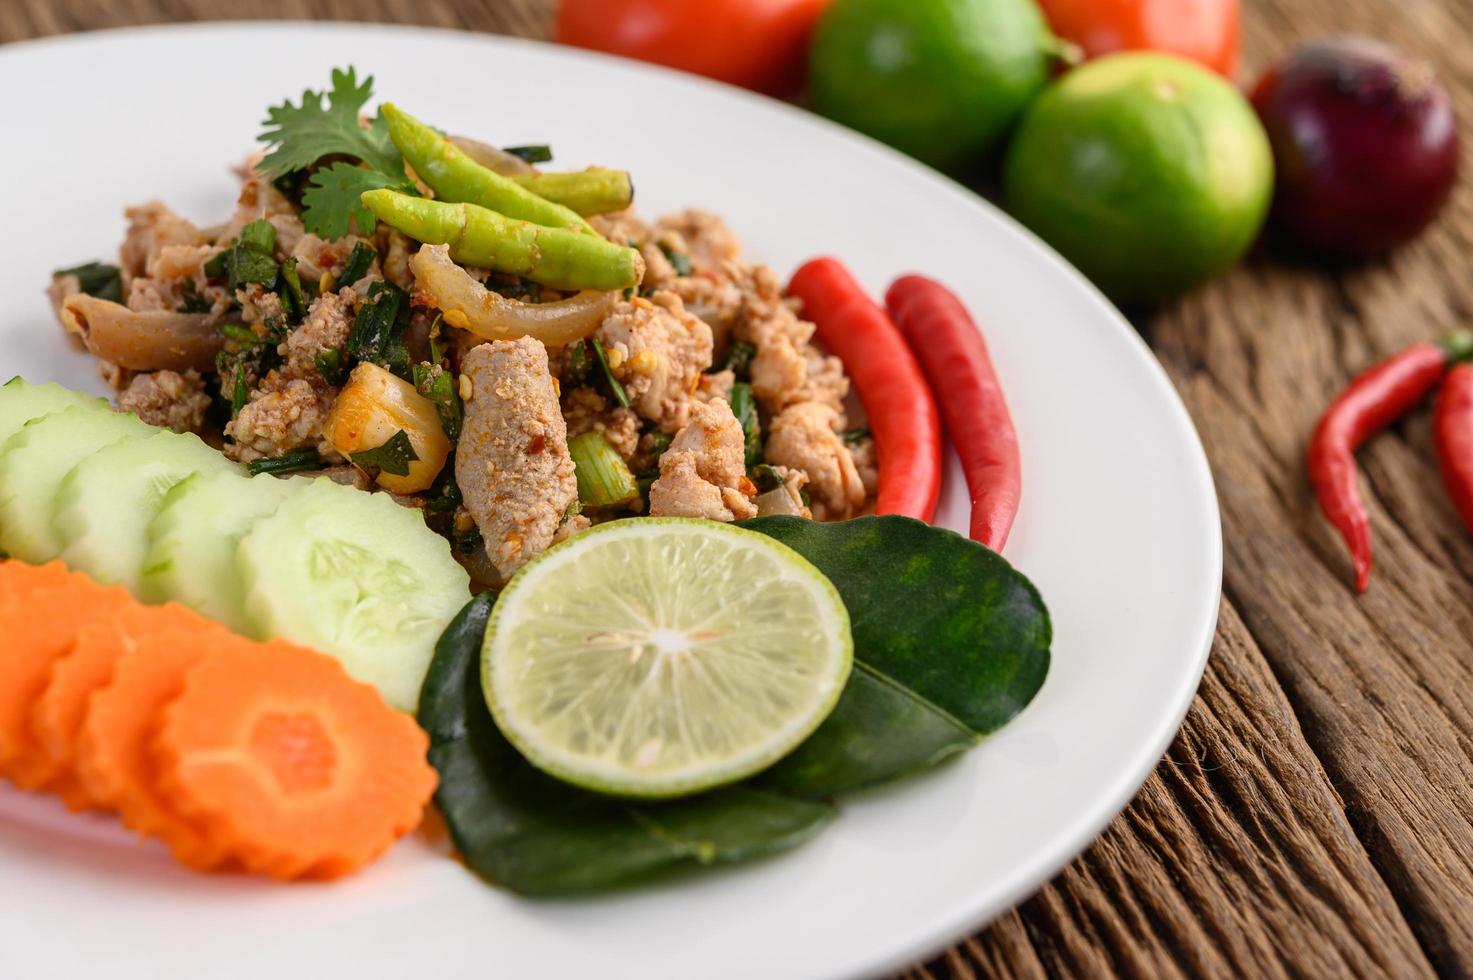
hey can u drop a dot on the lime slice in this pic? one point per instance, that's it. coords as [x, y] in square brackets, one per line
[657, 657]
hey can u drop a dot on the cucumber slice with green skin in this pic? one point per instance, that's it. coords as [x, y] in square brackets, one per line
[21, 402]
[105, 504]
[33, 463]
[355, 575]
[193, 538]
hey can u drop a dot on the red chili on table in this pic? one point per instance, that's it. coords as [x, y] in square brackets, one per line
[1452, 427]
[902, 413]
[949, 346]
[1375, 399]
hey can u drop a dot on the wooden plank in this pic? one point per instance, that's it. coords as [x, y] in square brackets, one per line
[1236, 859]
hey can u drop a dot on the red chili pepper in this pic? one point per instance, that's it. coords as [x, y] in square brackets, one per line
[1452, 427]
[953, 355]
[1374, 400]
[902, 413]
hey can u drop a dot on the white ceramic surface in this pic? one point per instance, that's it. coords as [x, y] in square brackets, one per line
[1119, 526]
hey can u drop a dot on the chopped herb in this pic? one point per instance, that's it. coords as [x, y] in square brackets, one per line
[392, 457]
[739, 358]
[218, 266]
[744, 407]
[379, 324]
[240, 333]
[616, 389]
[437, 349]
[659, 442]
[536, 153]
[604, 479]
[239, 394]
[766, 478]
[258, 236]
[96, 279]
[300, 462]
[248, 259]
[851, 436]
[444, 495]
[628, 293]
[580, 362]
[330, 366]
[643, 483]
[358, 264]
[806, 497]
[678, 259]
[190, 301]
[293, 299]
[396, 358]
[438, 385]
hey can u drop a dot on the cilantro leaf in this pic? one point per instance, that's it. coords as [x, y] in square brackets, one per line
[333, 199]
[301, 135]
[392, 457]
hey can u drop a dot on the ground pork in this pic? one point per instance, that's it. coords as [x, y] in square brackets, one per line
[257, 305]
[787, 369]
[804, 437]
[512, 460]
[660, 351]
[282, 416]
[153, 227]
[324, 328]
[167, 399]
[175, 275]
[703, 473]
[585, 410]
[260, 199]
[621, 227]
[705, 238]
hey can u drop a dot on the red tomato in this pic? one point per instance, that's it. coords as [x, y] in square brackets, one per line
[758, 44]
[1208, 31]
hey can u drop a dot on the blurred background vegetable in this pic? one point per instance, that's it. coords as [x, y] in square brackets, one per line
[758, 44]
[1205, 31]
[943, 80]
[1366, 143]
[1148, 172]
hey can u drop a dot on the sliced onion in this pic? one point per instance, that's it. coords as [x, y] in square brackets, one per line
[155, 340]
[492, 316]
[493, 158]
[779, 501]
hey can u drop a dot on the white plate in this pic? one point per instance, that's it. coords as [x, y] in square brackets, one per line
[1119, 525]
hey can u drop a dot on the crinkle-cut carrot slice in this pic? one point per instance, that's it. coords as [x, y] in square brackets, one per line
[19, 581]
[37, 631]
[56, 718]
[302, 770]
[114, 757]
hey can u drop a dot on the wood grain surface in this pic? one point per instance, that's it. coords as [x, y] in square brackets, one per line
[1314, 817]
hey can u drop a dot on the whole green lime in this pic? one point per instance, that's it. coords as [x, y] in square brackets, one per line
[942, 80]
[1148, 172]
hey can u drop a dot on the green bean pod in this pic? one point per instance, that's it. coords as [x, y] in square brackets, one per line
[596, 190]
[456, 178]
[483, 238]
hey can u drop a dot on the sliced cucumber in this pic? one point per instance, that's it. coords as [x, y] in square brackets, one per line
[21, 401]
[193, 538]
[33, 462]
[105, 504]
[355, 575]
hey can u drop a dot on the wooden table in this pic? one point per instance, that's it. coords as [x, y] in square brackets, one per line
[1315, 815]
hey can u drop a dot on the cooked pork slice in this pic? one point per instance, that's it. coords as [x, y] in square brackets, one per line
[512, 460]
[167, 399]
[658, 351]
[804, 437]
[703, 473]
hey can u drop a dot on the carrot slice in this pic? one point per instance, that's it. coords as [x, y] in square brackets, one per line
[302, 770]
[19, 581]
[114, 759]
[37, 631]
[56, 718]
